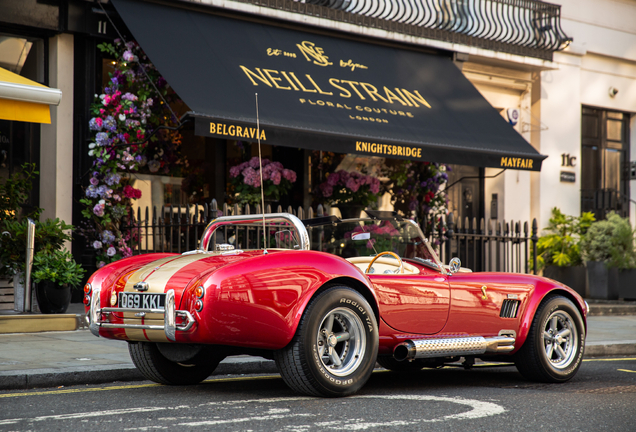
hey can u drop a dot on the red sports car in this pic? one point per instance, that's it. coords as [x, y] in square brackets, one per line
[327, 298]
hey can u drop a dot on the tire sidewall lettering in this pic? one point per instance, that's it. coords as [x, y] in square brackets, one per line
[360, 375]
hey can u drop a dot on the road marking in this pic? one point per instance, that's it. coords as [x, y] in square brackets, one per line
[608, 360]
[625, 370]
[132, 386]
[478, 409]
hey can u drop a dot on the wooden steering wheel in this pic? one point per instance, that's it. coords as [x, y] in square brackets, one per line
[394, 255]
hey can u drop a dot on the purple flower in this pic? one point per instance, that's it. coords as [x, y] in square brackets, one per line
[95, 124]
[102, 139]
[111, 251]
[94, 181]
[108, 236]
[112, 179]
[97, 244]
[110, 124]
[101, 264]
[129, 97]
[91, 192]
[276, 177]
[98, 210]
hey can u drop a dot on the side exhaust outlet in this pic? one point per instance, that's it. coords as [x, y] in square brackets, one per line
[449, 347]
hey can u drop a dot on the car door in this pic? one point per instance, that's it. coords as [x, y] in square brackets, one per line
[486, 303]
[413, 303]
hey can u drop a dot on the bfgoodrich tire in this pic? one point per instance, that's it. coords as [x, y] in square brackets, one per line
[335, 347]
[554, 348]
[156, 367]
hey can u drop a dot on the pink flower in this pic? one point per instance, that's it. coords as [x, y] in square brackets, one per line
[276, 177]
[234, 171]
[289, 175]
[333, 178]
[353, 184]
[326, 190]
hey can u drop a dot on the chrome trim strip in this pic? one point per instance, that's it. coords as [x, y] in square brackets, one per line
[94, 312]
[170, 314]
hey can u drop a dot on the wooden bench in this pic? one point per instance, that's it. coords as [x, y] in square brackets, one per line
[7, 296]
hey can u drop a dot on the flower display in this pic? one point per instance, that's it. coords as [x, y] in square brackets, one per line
[126, 139]
[416, 189]
[342, 187]
[245, 181]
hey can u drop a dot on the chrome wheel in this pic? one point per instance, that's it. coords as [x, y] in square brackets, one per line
[341, 341]
[560, 339]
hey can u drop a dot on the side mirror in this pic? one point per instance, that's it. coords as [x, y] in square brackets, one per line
[454, 265]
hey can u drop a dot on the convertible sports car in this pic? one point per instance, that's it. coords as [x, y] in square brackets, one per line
[327, 298]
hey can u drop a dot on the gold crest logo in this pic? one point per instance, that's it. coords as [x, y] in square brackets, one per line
[314, 53]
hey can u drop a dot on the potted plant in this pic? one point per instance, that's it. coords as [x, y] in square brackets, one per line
[607, 247]
[245, 181]
[351, 192]
[558, 250]
[55, 273]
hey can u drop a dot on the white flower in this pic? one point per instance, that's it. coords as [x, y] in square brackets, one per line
[102, 201]
[91, 152]
[111, 251]
[92, 145]
[122, 117]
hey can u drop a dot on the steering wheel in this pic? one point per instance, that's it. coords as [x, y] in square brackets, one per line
[394, 255]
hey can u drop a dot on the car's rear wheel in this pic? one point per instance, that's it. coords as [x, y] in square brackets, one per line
[156, 367]
[335, 347]
[554, 348]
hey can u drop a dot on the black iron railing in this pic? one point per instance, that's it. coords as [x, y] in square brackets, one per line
[524, 27]
[500, 246]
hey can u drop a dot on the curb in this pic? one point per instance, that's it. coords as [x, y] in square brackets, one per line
[240, 365]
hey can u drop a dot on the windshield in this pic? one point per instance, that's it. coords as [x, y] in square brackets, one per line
[353, 238]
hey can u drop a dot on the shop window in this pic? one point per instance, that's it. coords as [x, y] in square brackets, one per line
[604, 157]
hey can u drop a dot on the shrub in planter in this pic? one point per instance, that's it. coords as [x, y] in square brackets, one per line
[558, 250]
[55, 273]
[607, 247]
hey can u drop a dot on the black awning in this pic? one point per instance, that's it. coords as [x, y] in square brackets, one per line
[322, 92]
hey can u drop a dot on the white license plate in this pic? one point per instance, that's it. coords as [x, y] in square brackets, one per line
[142, 300]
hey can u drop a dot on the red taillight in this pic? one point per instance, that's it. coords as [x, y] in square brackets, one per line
[199, 292]
[87, 300]
[198, 305]
[88, 288]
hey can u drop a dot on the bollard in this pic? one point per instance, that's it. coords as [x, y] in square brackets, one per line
[29, 264]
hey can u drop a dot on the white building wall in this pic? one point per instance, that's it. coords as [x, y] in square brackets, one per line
[56, 147]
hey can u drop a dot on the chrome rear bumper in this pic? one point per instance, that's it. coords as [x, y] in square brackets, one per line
[170, 314]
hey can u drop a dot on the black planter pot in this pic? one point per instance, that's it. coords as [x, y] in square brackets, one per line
[52, 298]
[574, 277]
[602, 281]
[627, 284]
[350, 211]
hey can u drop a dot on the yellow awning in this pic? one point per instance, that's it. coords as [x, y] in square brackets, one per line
[24, 100]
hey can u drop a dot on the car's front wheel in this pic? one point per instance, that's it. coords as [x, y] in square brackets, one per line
[153, 365]
[335, 347]
[554, 348]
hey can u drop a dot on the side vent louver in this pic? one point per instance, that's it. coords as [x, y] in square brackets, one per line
[509, 309]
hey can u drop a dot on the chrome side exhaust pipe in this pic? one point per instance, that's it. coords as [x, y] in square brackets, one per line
[450, 347]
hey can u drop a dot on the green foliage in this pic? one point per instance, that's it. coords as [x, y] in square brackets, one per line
[57, 266]
[14, 192]
[560, 246]
[610, 241]
[50, 236]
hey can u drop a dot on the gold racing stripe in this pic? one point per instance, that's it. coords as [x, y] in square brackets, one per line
[156, 274]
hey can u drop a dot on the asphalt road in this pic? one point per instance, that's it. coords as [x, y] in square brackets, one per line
[601, 397]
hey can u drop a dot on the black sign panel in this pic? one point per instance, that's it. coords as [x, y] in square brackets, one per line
[322, 92]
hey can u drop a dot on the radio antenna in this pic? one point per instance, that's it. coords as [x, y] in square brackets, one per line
[260, 165]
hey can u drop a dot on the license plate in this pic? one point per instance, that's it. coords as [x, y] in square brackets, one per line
[142, 300]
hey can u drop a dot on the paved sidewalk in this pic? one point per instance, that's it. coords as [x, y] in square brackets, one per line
[50, 359]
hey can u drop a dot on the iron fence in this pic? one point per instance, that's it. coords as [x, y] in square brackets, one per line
[492, 246]
[523, 27]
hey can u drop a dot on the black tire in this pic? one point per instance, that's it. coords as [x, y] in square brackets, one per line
[155, 367]
[554, 348]
[309, 363]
